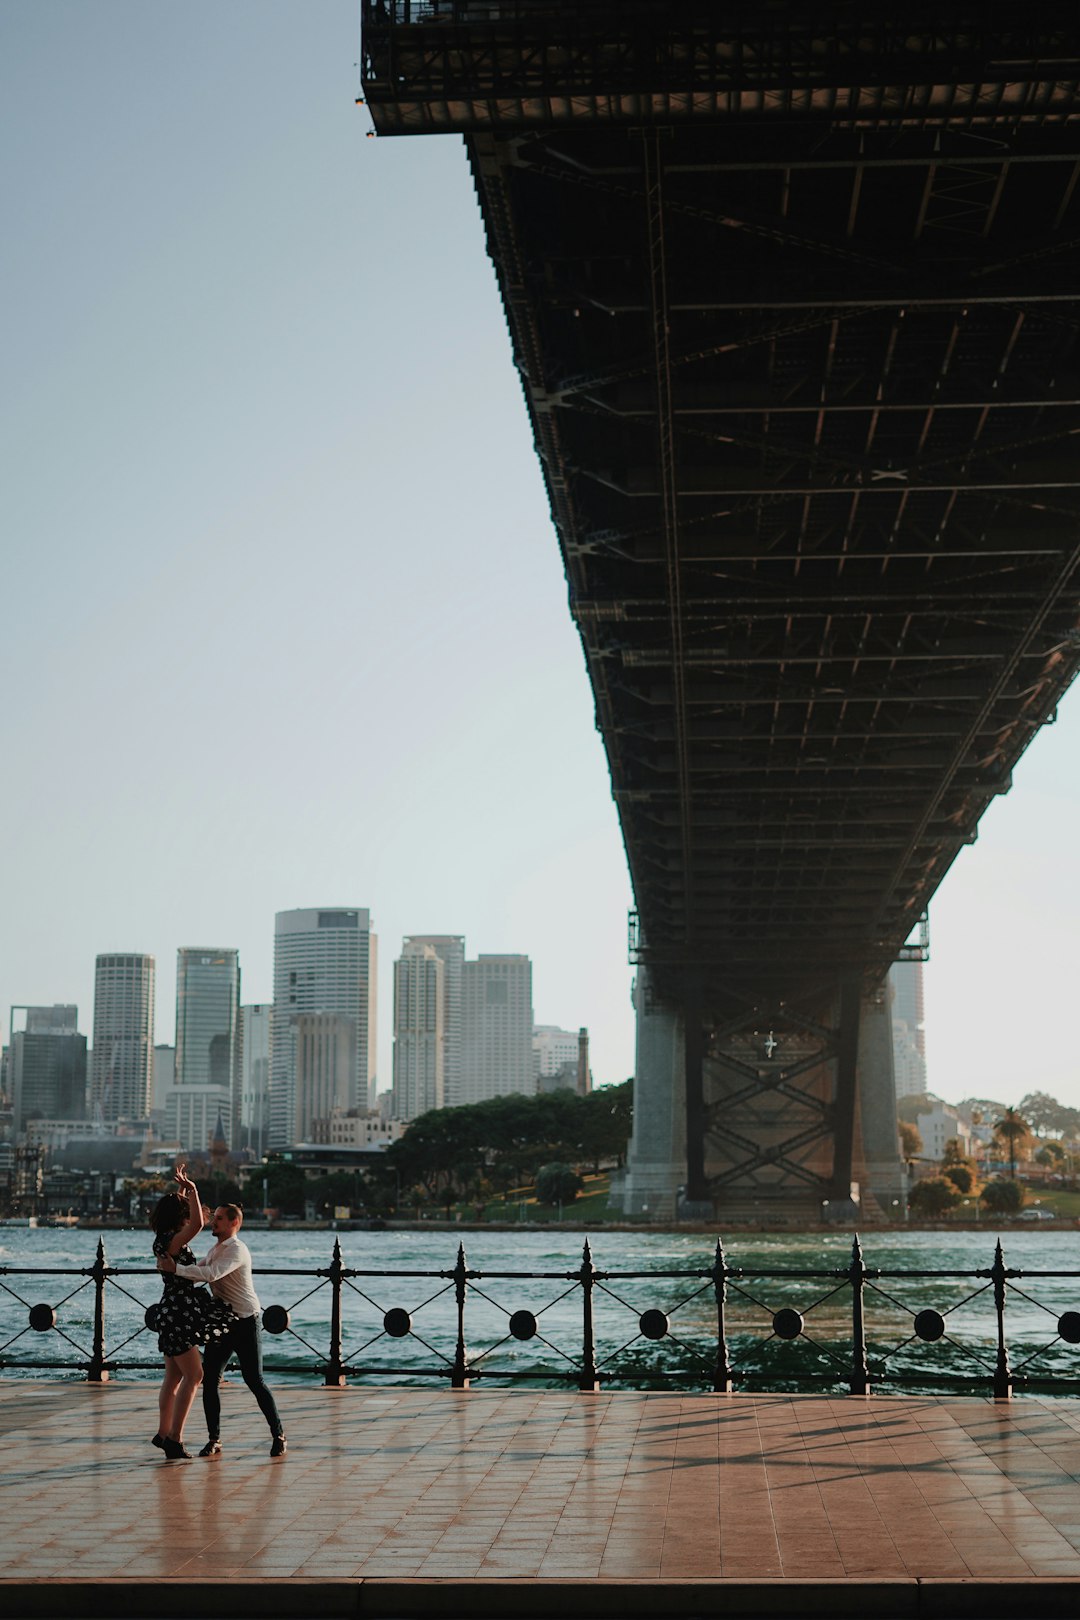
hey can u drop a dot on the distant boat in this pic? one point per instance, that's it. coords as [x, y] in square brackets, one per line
[18, 1220]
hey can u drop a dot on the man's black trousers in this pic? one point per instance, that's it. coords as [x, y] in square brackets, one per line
[244, 1341]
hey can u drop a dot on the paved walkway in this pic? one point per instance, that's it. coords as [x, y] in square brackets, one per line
[490, 1484]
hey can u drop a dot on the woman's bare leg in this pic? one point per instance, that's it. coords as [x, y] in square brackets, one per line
[190, 1367]
[167, 1395]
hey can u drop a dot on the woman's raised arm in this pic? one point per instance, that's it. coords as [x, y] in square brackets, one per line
[194, 1223]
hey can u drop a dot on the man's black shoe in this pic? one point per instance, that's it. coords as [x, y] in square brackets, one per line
[278, 1447]
[212, 1448]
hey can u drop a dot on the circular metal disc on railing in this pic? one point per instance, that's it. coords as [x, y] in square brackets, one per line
[397, 1322]
[276, 1319]
[150, 1317]
[1069, 1327]
[523, 1325]
[42, 1318]
[787, 1323]
[929, 1325]
[653, 1324]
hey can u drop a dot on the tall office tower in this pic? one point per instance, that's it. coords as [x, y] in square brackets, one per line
[450, 949]
[498, 1017]
[121, 1071]
[908, 1028]
[164, 1078]
[324, 962]
[46, 1065]
[255, 1024]
[325, 1069]
[419, 1030]
[208, 1033]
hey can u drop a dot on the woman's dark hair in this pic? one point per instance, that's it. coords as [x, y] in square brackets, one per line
[169, 1215]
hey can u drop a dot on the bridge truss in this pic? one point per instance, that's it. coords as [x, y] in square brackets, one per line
[795, 301]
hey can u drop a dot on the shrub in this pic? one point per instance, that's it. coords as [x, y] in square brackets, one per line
[933, 1196]
[557, 1184]
[961, 1175]
[1003, 1197]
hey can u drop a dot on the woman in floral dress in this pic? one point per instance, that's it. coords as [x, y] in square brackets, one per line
[186, 1317]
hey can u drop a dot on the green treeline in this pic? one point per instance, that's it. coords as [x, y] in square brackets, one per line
[485, 1149]
[476, 1154]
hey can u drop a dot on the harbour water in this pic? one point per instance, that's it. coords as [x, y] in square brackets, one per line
[401, 1272]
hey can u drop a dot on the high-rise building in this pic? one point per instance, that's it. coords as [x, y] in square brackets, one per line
[255, 1024]
[554, 1049]
[208, 1032]
[324, 962]
[420, 1074]
[419, 1030]
[164, 1078]
[908, 1028]
[498, 1020]
[121, 1070]
[325, 1069]
[46, 1065]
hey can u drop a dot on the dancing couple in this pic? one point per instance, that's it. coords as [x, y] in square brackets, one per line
[224, 1318]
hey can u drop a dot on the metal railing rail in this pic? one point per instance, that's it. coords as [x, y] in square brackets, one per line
[858, 1364]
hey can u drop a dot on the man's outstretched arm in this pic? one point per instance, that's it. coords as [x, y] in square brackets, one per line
[227, 1258]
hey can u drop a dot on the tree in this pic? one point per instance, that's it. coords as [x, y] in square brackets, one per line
[1003, 1197]
[911, 1143]
[957, 1167]
[604, 1121]
[976, 1109]
[1048, 1117]
[1014, 1134]
[921, 1102]
[933, 1196]
[557, 1184]
[962, 1175]
[286, 1186]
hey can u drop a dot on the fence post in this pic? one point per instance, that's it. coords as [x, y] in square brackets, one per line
[587, 1277]
[860, 1372]
[723, 1374]
[96, 1371]
[333, 1374]
[1002, 1371]
[459, 1376]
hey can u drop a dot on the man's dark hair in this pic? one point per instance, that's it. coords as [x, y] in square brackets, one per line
[233, 1211]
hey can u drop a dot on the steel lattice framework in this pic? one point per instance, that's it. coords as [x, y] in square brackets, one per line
[795, 295]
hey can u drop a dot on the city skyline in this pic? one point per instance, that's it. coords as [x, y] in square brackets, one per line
[272, 508]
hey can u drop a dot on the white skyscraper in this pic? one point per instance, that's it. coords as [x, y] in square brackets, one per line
[324, 962]
[908, 1028]
[419, 1030]
[498, 1020]
[123, 1057]
[450, 950]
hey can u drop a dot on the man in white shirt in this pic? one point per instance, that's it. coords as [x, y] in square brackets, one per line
[227, 1268]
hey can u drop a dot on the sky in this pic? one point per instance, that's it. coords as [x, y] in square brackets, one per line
[283, 617]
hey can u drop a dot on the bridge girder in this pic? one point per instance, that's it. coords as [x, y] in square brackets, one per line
[795, 299]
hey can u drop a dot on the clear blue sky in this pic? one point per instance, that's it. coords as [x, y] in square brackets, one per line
[284, 619]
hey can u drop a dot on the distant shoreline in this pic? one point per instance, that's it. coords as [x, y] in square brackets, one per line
[663, 1228]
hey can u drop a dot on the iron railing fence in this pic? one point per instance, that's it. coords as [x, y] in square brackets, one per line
[752, 1327]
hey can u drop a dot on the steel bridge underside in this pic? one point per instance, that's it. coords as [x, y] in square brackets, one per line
[795, 309]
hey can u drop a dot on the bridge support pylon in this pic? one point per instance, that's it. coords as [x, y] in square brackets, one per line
[768, 1110]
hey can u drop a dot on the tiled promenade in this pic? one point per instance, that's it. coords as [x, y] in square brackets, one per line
[385, 1489]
